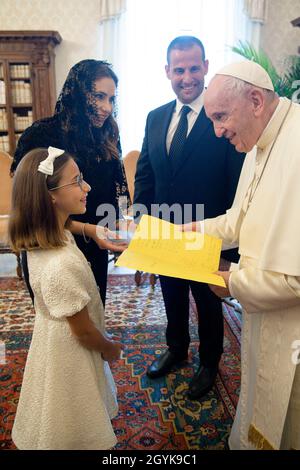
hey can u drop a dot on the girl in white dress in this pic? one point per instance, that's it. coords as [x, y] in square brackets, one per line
[68, 395]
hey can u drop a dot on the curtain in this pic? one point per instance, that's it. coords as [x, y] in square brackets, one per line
[111, 9]
[136, 43]
[112, 31]
[256, 10]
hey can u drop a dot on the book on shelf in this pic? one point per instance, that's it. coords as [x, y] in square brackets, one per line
[21, 92]
[4, 143]
[22, 122]
[17, 136]
[2, 92]
[3, 120]
[19, 71]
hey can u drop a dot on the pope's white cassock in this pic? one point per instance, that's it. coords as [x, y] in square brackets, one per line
[265, 222]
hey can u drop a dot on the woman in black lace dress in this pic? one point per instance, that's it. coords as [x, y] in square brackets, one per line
[83, 125]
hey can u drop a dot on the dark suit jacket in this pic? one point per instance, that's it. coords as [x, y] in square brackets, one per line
[207, 174]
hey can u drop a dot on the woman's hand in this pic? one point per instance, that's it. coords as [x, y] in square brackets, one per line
[222, 291]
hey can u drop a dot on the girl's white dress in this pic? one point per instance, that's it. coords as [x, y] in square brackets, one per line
[68, 395]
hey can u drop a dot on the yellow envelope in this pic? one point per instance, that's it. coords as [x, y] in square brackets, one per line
[160, 247]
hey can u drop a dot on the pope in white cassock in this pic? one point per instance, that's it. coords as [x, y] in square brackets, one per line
[264, 222]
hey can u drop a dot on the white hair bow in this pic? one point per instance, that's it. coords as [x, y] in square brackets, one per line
[46, 166]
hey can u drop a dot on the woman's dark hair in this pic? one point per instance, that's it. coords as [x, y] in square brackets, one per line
[73, 108]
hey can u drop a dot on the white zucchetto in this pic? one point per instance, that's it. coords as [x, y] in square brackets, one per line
[249, 72]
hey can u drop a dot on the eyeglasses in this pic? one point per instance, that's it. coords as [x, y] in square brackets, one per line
[79, 181]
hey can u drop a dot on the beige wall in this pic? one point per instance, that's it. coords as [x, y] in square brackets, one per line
[279, 38]
[77, 21]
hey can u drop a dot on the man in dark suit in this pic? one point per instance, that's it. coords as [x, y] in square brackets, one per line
[183, 162]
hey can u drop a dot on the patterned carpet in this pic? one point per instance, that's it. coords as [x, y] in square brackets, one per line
[154, 414]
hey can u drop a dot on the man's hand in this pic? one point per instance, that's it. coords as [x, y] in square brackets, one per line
[222, 291]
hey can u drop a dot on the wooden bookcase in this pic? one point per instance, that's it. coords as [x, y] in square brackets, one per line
[27, 81]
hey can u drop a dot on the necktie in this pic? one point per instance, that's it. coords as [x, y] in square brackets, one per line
[179, 137]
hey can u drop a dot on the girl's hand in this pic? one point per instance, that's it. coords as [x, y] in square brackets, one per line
[99, 234]
[112, 351]
[222, 291]
[103, 237]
